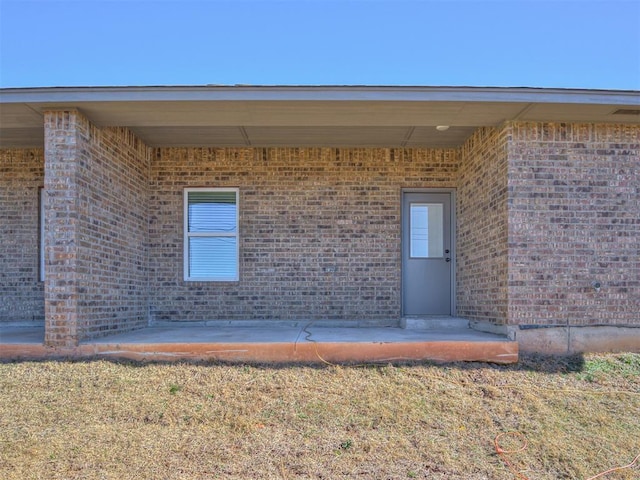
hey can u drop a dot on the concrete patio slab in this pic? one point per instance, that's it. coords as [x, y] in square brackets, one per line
[286, 344]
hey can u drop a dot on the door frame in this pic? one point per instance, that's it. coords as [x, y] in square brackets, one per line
[454, 242]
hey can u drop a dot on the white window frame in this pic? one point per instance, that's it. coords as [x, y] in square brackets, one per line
[188, 235]
[41, 232]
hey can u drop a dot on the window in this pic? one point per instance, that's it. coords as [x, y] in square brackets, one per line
[426, 230]
[211, 234]
[41, 232]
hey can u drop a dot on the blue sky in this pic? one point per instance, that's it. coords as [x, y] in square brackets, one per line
[535, 43]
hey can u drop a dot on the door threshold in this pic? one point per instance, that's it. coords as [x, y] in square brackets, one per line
[433, 322]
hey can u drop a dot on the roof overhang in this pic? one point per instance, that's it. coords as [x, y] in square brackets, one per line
[338, 116]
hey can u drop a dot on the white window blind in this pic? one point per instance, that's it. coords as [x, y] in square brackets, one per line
[426, 230]
[211, 234]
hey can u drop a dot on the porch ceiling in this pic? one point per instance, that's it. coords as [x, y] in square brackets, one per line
[305, 116]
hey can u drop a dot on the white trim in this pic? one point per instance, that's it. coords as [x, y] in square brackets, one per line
[199, 93]
[41, 239]
[187, 235]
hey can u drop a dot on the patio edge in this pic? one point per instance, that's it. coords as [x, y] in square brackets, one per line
[502, 352]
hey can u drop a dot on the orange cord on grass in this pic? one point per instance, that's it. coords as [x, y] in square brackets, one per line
[502, 453]
[616, 468]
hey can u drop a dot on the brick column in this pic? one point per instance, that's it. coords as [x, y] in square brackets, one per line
[96, 229]
[61, 190]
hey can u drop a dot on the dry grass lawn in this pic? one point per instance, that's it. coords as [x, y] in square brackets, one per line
[107, 420]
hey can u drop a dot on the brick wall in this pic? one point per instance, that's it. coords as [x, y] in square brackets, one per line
[574, 219]
[482, 227]
[319, 230]
[97, 229]
[543, 210]
[22, 294]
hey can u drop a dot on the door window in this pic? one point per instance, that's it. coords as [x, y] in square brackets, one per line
[426, 226]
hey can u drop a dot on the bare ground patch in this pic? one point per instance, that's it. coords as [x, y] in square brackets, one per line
[107, 420]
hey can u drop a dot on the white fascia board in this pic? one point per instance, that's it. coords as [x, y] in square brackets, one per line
[79, 95]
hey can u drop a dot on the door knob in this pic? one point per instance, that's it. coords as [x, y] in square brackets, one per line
[447, 259]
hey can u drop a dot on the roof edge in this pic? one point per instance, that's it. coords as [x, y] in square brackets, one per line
[327, 93]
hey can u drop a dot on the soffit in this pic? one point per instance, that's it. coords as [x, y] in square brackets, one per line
[304, 116]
